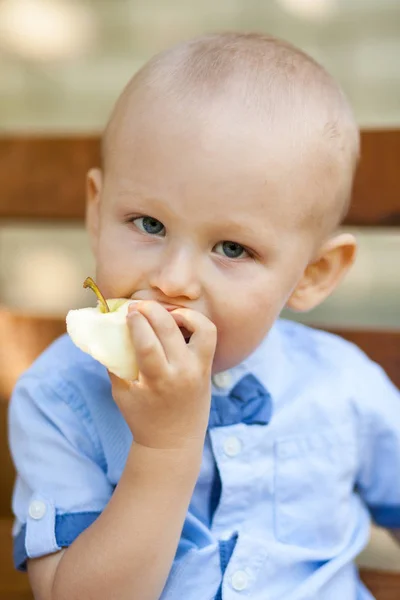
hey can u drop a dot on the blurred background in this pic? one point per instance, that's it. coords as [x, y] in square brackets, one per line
[63, 64]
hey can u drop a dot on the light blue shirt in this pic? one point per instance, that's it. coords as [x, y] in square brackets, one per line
[286, 491]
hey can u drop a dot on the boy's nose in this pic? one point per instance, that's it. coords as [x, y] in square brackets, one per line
[177, 276]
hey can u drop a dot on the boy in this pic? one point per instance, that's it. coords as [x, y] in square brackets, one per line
[245, 460]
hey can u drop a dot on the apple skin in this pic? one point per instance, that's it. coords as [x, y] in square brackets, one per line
[105, 336]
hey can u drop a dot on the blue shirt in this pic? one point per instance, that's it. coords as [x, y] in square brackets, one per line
[297, 459]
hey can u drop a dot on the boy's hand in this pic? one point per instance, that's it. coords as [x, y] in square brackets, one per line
[168, 406]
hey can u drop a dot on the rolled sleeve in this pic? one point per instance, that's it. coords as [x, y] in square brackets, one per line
[379, 475]
[61, 485]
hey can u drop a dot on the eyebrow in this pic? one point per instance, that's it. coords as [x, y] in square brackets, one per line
[143, 200]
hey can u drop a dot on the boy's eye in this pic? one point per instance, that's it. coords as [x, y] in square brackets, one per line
[149, 225]
[231, 250]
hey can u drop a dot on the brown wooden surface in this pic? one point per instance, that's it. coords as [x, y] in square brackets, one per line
[382, 585]
[16, 596]
[44, 178]
[12, 582]
[376, 194]
[23, 337]
[7, 473]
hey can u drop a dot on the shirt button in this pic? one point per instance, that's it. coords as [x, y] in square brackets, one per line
[240, 581]
[222, 380]
[232, 446]
[37, 509]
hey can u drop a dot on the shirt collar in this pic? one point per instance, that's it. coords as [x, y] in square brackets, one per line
[266, 363]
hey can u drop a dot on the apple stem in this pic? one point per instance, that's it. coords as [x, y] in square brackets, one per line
[89, 283]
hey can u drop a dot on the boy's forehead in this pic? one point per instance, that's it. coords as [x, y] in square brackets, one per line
[217, 153]
[264, 115]
[145, 116]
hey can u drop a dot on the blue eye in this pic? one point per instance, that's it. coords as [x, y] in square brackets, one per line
[231, 250]
[149, 225]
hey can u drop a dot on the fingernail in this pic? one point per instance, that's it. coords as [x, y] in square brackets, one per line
[132, 307]
[132, 314]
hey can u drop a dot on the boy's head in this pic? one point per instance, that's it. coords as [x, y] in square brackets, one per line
[228, 164]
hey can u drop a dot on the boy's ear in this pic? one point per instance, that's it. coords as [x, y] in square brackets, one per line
[94, 183]
[324, 274]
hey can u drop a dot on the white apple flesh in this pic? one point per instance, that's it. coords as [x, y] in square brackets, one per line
[105, 336]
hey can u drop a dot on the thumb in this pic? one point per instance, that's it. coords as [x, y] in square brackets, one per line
[117, 382]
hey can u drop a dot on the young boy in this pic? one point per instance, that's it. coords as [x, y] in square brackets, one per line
[245, 461]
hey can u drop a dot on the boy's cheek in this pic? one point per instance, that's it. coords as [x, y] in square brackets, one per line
[115, 283]
[237, 339]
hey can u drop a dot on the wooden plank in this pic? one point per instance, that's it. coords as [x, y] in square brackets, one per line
[16, 596]
[383, 585]
[23, 337]
[14, 585]
[382, 346]
[44, 178]
[376, 193]
[7, 474]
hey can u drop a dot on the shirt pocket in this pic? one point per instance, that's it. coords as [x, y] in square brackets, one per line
[314, 481]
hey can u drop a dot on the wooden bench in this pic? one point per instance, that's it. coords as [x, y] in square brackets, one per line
[43, 179]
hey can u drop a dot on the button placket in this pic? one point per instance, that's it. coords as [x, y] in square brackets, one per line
[235, 496]
[245, 566]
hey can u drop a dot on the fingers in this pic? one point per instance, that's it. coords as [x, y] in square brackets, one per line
[150, 355]
[204, 333]
[158, 341]
[165, 329]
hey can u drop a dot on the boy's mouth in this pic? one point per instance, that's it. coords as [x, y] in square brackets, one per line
[186, 334]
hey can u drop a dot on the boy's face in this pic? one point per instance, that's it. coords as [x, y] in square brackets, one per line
[197, 216]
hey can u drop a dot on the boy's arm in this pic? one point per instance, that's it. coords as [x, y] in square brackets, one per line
[128, 551]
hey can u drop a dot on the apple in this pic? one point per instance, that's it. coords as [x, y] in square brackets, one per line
[103, 333]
